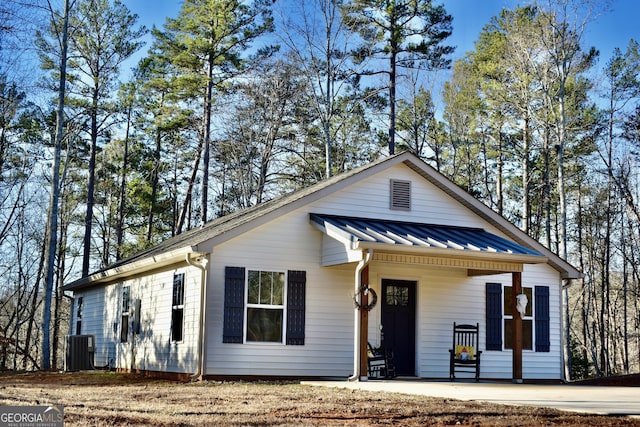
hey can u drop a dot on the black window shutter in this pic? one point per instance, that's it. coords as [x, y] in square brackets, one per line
[543, 341]
[494, 316]
[296, 290]
[233, 328]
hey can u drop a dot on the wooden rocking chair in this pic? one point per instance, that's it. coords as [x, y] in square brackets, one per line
[380, 363]
[464, 355]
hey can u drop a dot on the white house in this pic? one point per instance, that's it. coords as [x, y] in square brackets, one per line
[269, 291]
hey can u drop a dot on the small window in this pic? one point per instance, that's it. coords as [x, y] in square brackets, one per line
[177, 307]
[124, 321]
[79, 316]
[397, 295]
[265, 306]
[400, 195]
[527, 319]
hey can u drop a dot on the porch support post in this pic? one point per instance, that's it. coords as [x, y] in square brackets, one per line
[516, 330]
[364, 326]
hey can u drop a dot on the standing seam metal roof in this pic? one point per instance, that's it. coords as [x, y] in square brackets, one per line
[426, 235]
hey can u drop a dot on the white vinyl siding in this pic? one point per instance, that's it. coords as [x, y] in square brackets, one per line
[337, 252]
[286, 240]
[444, 295]
[288, 243]
[370, 199]
[151, 349]
[99, 314]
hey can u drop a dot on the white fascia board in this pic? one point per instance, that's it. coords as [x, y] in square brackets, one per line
[135, 267]
[336, 233]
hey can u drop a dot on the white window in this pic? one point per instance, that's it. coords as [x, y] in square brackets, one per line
[265, 306]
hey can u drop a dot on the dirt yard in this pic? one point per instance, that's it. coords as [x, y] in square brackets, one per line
[109, 399]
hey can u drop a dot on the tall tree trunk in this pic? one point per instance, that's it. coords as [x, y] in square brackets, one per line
[174, 198]
[88, 219]
[500, 201]
[525, 175]
[625, 284]
[123, 187]
[584, 307]
[206, 138]
[186, 206]
[56, 325]
[328, 108]
[562, 237]
[52, 222]
[155, 178]
[330, 10]
[547, 184]
[33, 309]
[392, 99]
[59, 295]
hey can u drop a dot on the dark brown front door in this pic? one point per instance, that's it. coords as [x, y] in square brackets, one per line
[399, 323]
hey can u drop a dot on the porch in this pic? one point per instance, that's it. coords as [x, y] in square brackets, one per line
[388, 247]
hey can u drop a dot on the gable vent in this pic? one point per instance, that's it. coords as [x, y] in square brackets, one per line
[400, 195]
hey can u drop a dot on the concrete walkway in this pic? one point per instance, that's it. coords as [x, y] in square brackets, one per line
[577, 398]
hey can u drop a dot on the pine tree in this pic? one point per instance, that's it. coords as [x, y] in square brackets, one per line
[208, 43]
[103, 36]
[407, 33]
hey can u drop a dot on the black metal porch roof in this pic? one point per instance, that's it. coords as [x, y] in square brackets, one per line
[414, 234]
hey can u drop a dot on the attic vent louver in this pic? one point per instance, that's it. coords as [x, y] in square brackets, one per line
[401, 195]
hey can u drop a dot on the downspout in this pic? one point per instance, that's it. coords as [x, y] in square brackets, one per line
[201, 263]
[565, 334]
[356, 332]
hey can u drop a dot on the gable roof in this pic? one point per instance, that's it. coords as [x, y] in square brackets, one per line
[232, 225]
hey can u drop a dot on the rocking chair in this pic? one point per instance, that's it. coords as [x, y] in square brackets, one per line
[380, 363]
[464, 355]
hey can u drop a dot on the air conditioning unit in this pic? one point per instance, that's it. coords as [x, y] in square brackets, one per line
[79, 351]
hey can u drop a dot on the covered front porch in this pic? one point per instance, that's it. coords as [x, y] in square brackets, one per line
[413, 271]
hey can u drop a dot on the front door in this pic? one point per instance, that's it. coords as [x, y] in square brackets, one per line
[399, 323]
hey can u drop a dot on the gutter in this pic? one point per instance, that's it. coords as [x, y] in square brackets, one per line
[127, 269]
[356, 333]
[200, 262]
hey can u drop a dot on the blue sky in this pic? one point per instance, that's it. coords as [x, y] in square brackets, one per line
[613, 28]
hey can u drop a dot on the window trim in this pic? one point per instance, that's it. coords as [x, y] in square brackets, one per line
[124, 316]
[542, 318]
[175, 307]
[530, 317]
[79, 310]
[248, 305]
[233, 323]
[398, 201]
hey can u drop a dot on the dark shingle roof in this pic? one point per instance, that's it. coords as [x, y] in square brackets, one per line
[226, 225]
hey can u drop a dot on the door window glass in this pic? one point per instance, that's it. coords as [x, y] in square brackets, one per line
[397, 295]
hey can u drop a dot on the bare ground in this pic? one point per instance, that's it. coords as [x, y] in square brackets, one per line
[109, 399]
